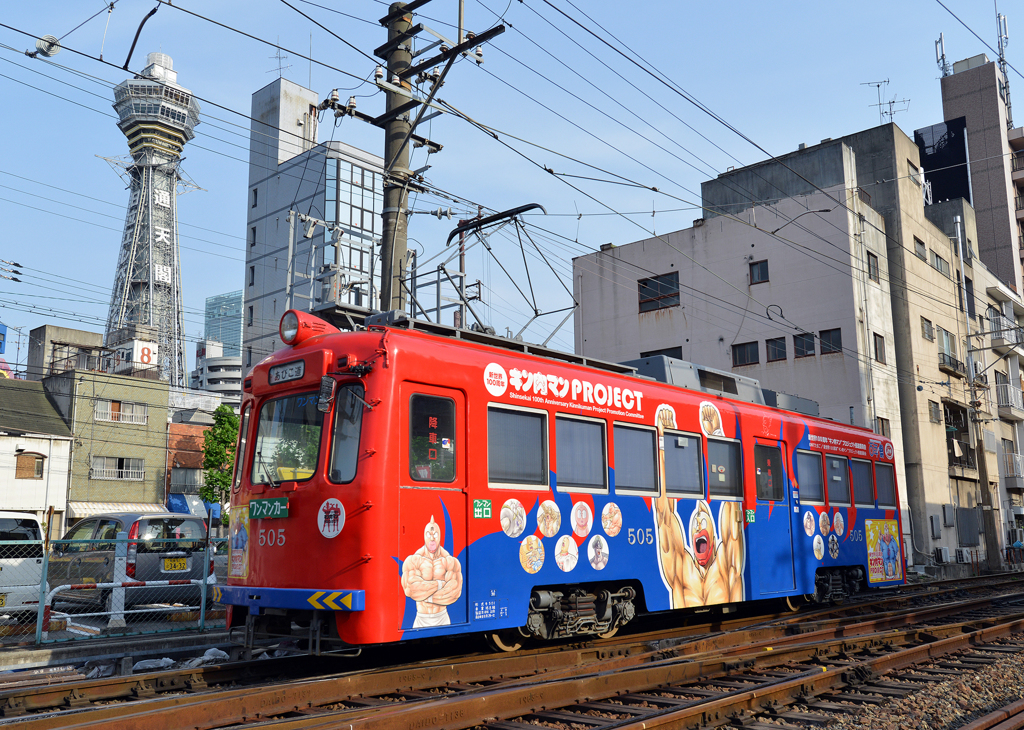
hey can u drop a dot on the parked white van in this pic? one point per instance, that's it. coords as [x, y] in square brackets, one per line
[21, 565]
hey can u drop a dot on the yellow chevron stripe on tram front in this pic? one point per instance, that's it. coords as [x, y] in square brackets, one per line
[312, 600]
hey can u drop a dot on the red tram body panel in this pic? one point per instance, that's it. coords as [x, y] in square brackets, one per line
[454, 486]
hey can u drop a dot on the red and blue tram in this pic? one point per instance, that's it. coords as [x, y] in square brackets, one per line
[400, 482]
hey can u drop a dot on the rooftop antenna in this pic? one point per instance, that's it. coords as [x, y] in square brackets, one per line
[892, 111]
[280, 60]
[878, 85]
[1004, 40]
[940, 56]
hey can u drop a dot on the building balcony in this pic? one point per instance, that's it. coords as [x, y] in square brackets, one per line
[1011, 402]
[1005, 334]
[129, 475]
[962, 459]
[951, 366]
[1013, 471]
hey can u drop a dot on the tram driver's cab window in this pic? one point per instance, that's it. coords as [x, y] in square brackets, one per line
[431, 438]
[725, 478]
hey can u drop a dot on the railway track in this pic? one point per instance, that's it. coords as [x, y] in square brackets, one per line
[492, 690]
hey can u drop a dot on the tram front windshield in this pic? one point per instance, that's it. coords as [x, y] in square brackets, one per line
[287, 440]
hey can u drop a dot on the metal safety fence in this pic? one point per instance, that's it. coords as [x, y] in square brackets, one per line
[64, 590]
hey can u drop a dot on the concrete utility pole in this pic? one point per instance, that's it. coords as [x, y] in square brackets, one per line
[394, 240]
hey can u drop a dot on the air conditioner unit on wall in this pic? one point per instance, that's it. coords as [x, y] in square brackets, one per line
[942, 555]
[961, 555]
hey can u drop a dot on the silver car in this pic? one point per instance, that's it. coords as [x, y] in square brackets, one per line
[161, 546]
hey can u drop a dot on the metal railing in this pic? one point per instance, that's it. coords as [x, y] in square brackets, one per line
[961, 454]
[1009, 396]
[1018, 162]
[1004, 328]
[122, 417]
[68, 590]
[1019, 201]
[946, 360]
[130, 475]
[1013, 464]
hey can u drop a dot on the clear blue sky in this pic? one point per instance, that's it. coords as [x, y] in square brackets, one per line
[781, 73]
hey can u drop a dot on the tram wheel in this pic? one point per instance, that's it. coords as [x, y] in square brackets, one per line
[793, 606]
[504, 640]
[609, 633]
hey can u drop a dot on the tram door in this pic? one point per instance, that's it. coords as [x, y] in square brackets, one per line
[432, 506]
[771, 533]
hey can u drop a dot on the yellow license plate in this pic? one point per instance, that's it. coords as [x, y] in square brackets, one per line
[175, 564]
[3, 600]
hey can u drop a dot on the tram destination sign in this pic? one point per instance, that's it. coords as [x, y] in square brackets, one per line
[268, 509]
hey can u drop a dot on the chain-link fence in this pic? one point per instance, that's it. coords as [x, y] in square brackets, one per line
[160, 581]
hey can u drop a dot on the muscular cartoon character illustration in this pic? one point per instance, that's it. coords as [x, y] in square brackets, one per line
[890, 549]
[432, 578]
[708, 568]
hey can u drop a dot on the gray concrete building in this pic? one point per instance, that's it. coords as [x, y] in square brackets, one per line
[823, 274]
[322, 254]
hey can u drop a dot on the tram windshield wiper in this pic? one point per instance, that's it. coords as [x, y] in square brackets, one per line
[266, 471]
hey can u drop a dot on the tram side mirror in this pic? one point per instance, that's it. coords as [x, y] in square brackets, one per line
[327, 386]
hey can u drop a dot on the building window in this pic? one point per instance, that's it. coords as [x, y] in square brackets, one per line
[248, 319]
[880, 349]
[831, 341]
[882, 427]
[927, 331]
[581, 454]
[915, 173]
[248, 356]
[803, 345]
[745, 354]
[934, 412]
[947, 343]
[940, 264]
[252, 275]
[29, 466]
[920, 249]
[872, 267]
[758, 272]
[776, 348]
[121, 412]
[969, 286]
[252, 236]
[255, 196]
[118, 469]
[659, 292]
[517, 447]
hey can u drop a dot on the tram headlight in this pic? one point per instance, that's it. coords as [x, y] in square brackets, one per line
[289, 327]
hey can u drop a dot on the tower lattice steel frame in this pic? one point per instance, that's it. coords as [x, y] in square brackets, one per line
[158, 117]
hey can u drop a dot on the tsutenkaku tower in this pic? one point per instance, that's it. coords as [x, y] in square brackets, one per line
[158, 117]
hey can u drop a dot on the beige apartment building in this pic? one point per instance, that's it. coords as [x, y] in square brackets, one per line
[824, 275]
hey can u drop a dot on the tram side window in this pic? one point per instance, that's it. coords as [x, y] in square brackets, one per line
[808, 474]
[516, 447]
[768, 469]
[838, 472]
[683, 469]
[431, 438]
[243, 432]
[636, 458]
[725, 479]
[581, 461]
[863, 489]
[348, 420]
[886, 483]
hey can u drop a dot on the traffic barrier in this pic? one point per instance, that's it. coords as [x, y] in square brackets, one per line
[48, 603]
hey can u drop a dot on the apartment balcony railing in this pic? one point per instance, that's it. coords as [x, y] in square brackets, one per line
[1005, 332]
[128, 475]
[1011, 402]
[122, 417]
[950, 364]
[1019, 201]
[961, 454]
[1013, 465]
[1018, 163]
[183, 488]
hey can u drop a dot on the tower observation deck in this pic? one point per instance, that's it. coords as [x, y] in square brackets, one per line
[158, 117]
